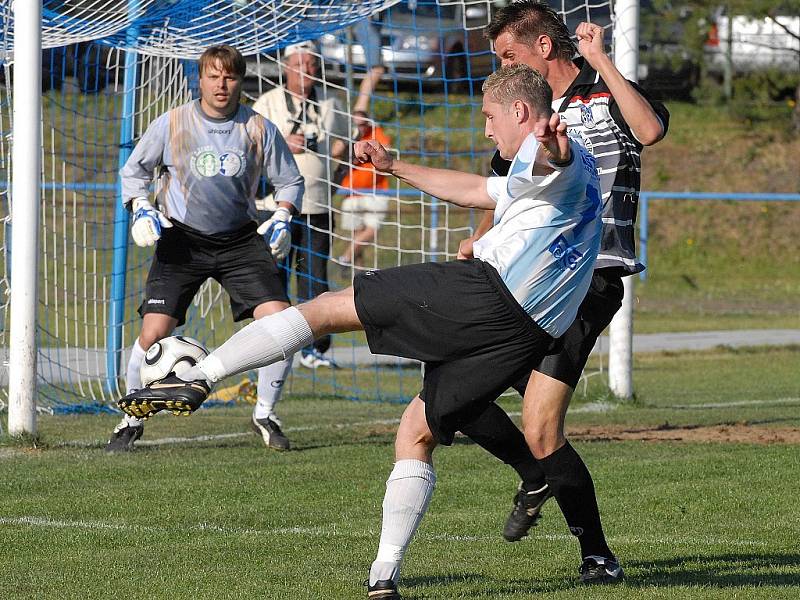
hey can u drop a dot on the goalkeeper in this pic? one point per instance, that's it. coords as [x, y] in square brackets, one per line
[210, 155]
[478, 324]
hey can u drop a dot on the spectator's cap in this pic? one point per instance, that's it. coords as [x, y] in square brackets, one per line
[307, 46]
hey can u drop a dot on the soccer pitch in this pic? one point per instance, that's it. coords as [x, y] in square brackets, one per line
[696, 479]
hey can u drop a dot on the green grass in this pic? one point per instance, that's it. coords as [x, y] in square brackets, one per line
[224, 518]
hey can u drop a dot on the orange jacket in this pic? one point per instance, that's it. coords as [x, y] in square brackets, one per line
[363, 176]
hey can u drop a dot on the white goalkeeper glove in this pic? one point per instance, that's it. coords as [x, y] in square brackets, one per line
[147, 223]
[278, 233]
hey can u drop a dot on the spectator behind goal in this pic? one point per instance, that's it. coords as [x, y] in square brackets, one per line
[364, 209]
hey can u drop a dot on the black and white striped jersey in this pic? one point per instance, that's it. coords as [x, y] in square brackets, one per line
[593, 117]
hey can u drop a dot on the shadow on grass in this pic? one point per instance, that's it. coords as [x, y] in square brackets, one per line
[723, 570]
[716, 571]
[481, 586]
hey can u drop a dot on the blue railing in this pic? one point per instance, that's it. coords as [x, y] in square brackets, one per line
[646, 197]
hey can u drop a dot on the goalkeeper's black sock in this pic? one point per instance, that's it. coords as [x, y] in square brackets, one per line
[572, 486]
[495, 431]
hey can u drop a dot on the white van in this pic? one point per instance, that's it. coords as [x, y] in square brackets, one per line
[758, 44]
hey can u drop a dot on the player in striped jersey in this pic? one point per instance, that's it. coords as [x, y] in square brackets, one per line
[614, 119]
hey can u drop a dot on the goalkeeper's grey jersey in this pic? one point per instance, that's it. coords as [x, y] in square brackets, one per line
[209, 169]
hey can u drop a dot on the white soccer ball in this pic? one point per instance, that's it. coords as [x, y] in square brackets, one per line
[172, 354]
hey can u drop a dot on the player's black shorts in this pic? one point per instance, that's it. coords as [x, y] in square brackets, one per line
[462, 322]
[240, 261]
[569, 357]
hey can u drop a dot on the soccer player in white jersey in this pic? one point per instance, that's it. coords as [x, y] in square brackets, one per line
[210, 154]
[614, 118]
[478, 324]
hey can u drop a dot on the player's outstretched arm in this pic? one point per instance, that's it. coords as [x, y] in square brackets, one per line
[638, 113]
[461, 189]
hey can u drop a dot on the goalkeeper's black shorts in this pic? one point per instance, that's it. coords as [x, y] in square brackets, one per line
[462, 322]
[240, 261]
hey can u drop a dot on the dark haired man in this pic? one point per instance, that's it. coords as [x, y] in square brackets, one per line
[210, 154]
[615, 119]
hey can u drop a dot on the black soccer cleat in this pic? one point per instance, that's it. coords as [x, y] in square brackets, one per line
[599, 570]
[271, 433]
[526, 512]
[171, 393]
[123, 437]
[385, 589]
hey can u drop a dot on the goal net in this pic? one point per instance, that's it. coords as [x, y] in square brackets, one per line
[110, 67]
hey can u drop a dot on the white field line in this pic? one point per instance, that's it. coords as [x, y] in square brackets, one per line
[778, 401]
[346, 531]
[593, 407]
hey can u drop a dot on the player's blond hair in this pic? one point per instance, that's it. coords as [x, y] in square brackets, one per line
[519, 82]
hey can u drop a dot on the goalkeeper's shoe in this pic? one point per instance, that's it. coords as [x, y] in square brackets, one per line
[385, 589]
[270, 431]
[526, 512]
[124, 436]
[600, 570]
[171, 393]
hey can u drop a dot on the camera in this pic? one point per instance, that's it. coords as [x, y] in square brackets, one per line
[311, 142]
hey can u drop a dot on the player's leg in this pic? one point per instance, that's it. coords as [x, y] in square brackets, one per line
[544, 410]
[247, 271]
[154, 328]
[271, 379]
[495, 432]
[408, 492]
[261, 343]
[176, 272]
[545, 406]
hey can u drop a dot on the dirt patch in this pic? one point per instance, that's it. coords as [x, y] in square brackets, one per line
[734, 433]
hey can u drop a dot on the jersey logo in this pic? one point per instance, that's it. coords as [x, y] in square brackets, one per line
[231, 164]
[566, 255]
[587, 118]
[205, 162]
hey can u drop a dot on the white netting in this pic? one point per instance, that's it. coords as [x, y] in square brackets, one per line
[184, 28]
[428, 103]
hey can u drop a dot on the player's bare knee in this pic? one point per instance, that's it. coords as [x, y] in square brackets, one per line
[543, 440]
[148, 337]
[414, 438]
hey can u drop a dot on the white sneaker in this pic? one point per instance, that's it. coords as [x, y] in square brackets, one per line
[312, 359]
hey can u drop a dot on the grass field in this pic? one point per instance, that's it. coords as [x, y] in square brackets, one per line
[697, 480]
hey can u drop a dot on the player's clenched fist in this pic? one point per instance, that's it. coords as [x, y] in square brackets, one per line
[147, 223]
[552, 134]
[372, 151]
[590, 41]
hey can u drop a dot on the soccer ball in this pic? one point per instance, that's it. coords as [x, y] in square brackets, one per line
[172, 354]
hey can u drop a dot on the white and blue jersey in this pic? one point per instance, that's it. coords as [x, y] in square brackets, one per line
[546, 234]
[210, 168]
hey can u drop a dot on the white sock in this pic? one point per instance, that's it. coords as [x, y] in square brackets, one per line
[268, 340]
[133, 380]
[270, 387]
[408, 493]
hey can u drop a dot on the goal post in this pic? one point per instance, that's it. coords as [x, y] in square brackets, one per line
[26, 177]
[620, 357]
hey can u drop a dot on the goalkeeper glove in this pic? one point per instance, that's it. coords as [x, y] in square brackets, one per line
[277, 233]
[147, 223]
